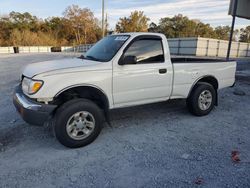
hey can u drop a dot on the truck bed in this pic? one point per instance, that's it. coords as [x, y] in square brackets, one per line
[188, 70]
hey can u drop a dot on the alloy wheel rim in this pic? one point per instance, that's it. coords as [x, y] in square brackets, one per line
[205, 100]
[80, 125]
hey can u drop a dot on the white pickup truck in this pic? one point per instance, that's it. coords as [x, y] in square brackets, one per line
[119, 71]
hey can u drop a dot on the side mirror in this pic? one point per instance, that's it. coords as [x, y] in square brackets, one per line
[128, 60]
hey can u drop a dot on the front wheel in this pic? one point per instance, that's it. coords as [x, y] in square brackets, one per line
[202, 99]
[78, 123]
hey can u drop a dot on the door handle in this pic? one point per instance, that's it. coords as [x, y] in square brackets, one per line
[162, 71]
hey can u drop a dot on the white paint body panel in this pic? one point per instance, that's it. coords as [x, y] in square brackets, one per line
[127, 85]
[86, 73]
[187, 74]
[142, 83]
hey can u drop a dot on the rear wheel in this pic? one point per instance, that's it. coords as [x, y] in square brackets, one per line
[202, 99]
[78, 123]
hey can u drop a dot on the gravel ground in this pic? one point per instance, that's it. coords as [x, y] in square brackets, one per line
[158, 145]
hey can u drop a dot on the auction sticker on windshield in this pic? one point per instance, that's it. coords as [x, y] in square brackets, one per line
[121, 38]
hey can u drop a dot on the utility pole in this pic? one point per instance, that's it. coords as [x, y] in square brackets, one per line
[106, 24]
[103, 29]
[232, 28]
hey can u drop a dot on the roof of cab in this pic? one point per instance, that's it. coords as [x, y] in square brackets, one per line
[134, 34]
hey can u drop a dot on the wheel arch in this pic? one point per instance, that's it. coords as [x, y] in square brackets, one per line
[207, 79]
[91, 92]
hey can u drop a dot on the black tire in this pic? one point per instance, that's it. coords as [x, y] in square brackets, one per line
[65, 112]
[193, 99]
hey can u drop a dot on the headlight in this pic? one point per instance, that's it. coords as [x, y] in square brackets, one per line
[30, 86]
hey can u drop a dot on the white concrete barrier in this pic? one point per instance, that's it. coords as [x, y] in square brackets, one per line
[6, 50]
[34, 49]
[207, 47]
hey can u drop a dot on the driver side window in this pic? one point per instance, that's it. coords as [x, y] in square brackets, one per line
[146, 51]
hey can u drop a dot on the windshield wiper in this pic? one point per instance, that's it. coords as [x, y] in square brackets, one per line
[81, 57]
[92, 58]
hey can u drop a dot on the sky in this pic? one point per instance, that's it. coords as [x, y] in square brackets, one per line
[214, 12]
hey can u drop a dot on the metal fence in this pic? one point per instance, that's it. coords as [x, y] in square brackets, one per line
[81, 48]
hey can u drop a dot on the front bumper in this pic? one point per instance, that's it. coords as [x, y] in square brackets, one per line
[31, 111]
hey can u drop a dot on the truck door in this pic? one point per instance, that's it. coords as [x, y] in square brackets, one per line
[145, 75]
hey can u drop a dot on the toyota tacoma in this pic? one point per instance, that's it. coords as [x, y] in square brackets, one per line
[119, 71]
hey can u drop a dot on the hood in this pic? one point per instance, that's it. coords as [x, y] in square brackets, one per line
[34, 69]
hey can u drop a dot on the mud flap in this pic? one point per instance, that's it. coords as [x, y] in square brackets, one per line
[216, 97]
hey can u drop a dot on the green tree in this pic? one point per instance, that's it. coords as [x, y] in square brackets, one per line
[136, 22]
[222, 32]
[23, 21]
[153, 27]
[5, 30]
[245, 34]
[56, 26]
[77, 26]
[204, 30]
[182, 26]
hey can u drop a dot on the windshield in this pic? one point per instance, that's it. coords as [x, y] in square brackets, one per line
[105, 49]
